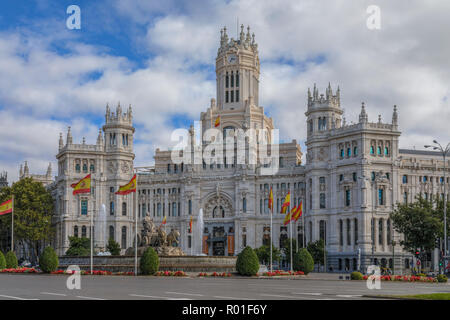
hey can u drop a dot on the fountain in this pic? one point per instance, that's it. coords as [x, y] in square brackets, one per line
[100, 228]
[200, 225]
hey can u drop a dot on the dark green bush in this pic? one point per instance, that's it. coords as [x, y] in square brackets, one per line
[442, 278]
[247, 262]
[149, 262]
[113, 247]
[48, 261]
[355, 275]
[2, 261]
[79, 247]
[11, 260]
[303, 261]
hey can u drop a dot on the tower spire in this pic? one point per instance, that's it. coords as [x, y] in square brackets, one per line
[395, 116]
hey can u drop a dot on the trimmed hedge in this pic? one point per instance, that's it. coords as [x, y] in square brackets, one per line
[247, 263]
[2, 261]
[355, 275]
[442, 278]
[48, 261]
[303, 261]
[11, 260]
[149, 262]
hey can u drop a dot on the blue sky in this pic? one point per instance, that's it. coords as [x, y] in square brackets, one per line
[159, 57]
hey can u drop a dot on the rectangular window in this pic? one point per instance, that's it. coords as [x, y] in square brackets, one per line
[405, 179]
[237, 95]
[349, 240]
[381, 197]
[232, 96]
[232, 80]
[322, 201]
[355, 229]
[237, 79]
[226, 81]
[347, 197]
[341, 233]
[226, 96]
[84, 207]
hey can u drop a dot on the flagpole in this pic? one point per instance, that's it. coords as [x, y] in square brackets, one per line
[12, 225]
[290, 231]
[92, 224]
[135, 224]
[271, 232]
[303, 227]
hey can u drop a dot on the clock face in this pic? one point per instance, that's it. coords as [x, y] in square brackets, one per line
[232, 58]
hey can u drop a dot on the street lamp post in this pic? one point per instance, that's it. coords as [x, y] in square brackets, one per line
[445, 152]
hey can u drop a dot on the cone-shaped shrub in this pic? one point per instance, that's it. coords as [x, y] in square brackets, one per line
[303, 261]
[247, 263]
[149, 262]
[11, 260]
[2, 261]
[48, 261]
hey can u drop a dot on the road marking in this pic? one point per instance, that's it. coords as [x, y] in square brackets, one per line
[54, 294]
[17, 298]
[232, 298]
[186, 294]
[348, 295]
[157, 297]
[278, 296]
[91, 298]
[308, 293]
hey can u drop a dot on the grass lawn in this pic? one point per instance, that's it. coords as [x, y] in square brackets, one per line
[430, 296]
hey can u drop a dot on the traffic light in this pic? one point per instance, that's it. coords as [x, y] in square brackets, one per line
[417, 253]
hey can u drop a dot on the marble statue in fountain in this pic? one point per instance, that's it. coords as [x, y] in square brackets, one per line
[156, 237]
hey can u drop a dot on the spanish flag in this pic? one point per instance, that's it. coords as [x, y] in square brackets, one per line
[298, 212]
[217, 122]
[6, 207]
[82, 186]
[129, 187]
[289, 217]
[164, 220]
[286, 203]
[271, 200]
[190, 225]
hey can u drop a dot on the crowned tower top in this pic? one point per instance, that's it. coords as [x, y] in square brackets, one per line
[237, 71]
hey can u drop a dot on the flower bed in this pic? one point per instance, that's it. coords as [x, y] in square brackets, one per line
[283, 273]
[19, 270]
[215, 274]
[405, 278]
[170, 274]
[95, 273]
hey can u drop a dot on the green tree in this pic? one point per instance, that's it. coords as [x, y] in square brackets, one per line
[247, 262]
[420, 224]
[303, 261]
[113, 247]
[48, 261]
[263, 254]
[11, 260]
[149, 263]
[2, 261]
[79, 247]
[317, 251]
[33, 211]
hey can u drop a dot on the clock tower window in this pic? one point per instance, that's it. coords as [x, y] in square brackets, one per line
[226, 96]
[232, 80]
[232, 96]
[237, 79]
[226, 80]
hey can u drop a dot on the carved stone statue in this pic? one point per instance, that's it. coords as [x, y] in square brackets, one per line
[156, 237]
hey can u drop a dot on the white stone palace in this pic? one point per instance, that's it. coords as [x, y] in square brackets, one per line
[353, 177]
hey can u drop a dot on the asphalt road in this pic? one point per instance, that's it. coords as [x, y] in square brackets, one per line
[53, 287]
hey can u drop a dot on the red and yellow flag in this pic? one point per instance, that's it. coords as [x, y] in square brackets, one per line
[82, 186]
[298, 212]
[6, 207]
[164, 220]
[128, 188]
[217, 122]
[286, 203]
[190, 225]
[271, 200]
[289, 217]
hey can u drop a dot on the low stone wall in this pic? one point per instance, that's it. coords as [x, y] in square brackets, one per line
[170, 263]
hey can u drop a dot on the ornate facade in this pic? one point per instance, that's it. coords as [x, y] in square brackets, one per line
[353, 177]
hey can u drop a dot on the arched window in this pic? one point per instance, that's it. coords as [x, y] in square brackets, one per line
[349, 152]
[83, 232]
[237, 79]
[342, 153]
[372, 150]
[341, 233]
[85, 168]
[190, 206]
[77, 168]
[380, 231]
[158, 210]
[92, 168]
[111, 232]
[244, 205]
[349, 239]
[174, 209]
[124, 208]
[379, 151]
[386, 151]
[355, 151]
[124, 237]
[355, 231]
[232, 82]
[111, 208]
[226, 81]
[75, 231]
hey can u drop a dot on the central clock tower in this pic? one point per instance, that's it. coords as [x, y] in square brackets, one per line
[237, 71]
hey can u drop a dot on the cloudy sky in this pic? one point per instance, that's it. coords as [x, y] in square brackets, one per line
[159, 57]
